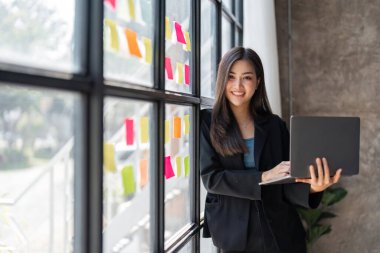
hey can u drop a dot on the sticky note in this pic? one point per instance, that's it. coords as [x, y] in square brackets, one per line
[132, 42]
[186, 118]
[131, 8]
[148, 49]
[168, 68]
[167, 131]
[128, 179]
[179, 73]
[187, 165]
[111, 3]
[168, 30]
[179, 33]
[129, 131]
[187, 47]
[109, 157]
[168, 168]
[144, 129]
[187, 74]
[176, 127]
[113, 33]
[178, 162]
[143, 172]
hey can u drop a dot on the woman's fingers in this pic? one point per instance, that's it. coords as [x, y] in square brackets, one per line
[327, 171]
[320, 172]
[312, 174]
[337, 175]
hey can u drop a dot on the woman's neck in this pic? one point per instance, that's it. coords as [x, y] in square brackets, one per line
[242, 114]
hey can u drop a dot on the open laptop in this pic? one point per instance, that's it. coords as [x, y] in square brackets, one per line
[336, 138]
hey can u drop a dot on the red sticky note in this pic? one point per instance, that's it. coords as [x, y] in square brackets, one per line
[129, 131]
[168, 68]
[187, 74]
[178, 31]
[132, 42]
[111, 3]
[168, 168]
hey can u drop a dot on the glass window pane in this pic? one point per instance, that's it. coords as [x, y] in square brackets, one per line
[128, 41]
[206, 245]
[186, 248]
[37, 169]
[178, 46]
[127, 166]
[226, 35]
[208, 49]
[38, 34]
[178, 168]
[228, 4]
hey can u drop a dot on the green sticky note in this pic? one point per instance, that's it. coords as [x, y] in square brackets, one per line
[187, 165]
[128, 177]
[178, 162]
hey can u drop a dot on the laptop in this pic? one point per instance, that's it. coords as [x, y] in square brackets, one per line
[336, 138]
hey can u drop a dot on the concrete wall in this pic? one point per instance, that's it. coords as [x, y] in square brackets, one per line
[335, 70]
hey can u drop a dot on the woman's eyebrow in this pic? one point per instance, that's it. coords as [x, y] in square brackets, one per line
[245, 73]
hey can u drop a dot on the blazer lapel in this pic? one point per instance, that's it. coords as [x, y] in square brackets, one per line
[260, 138]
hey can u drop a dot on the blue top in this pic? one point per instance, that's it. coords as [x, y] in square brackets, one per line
[249, 159]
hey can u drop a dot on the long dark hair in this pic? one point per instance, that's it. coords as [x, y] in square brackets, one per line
[224, 131]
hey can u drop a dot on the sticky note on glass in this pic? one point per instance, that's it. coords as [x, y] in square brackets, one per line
[144, 129]
[176, 127]
[129, 131]
[109, 157]
[168, 168]
[187, 165]
[179, 73]
[179, 33]
[148, 49]
[131, 8]
[111, 3]
[168, 68]
[187, 47]
[128, 178]
[186, 118]
[168, 30]
[167, 131]
[187, 74]
[178, 162]
[132, 42]
[113, 34]
[143, 172]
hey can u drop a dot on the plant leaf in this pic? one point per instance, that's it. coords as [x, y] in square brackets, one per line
[310, 216]
[317, 231]
[333, 195]
[326, 215]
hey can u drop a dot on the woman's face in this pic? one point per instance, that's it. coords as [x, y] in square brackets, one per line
[241, 84]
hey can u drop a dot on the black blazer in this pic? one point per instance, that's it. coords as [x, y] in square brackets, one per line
[231, 188]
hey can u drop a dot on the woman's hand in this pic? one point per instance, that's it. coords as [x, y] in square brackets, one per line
[282, 169]
[320, 183]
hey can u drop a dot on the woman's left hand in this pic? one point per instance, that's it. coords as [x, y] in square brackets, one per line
[320, 183]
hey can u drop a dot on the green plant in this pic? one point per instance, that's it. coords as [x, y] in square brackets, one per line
[312, 217]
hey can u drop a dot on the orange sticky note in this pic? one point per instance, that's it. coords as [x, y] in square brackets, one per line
[144, 129]
[113, 34]
[143, 172]
[109, 163]
[168, 168]
[168, 30]
[128, 179]
[168, 68]
[187, 165]
[131, 7]
[179, 73]
[132, 43]
[129, 131]
[178, 162]
[148, 49]
[167, 131]
[176, 127]
[187, 74]
[111, 3]
[187, 47]
[186, 118]
[179, 33]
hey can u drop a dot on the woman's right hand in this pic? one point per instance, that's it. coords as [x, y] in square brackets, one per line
[281, 170]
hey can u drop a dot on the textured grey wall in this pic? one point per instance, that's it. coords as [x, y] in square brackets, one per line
[336, 71]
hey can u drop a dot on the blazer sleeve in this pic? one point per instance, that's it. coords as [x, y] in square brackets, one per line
[217, 179]
[297, 193]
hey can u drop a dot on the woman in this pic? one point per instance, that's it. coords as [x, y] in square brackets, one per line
[243, 144]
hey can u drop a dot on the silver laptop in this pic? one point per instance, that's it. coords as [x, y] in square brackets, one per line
[336, 138]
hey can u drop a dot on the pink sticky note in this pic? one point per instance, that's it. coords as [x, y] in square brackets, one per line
[129, 131]
[168, 168]
[111, 3]
[187, 74]
[178, 31]
[168, 68]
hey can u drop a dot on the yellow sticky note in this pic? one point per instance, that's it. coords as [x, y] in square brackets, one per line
[144, 129]
[168, 31]
[187, 165]
[113, 33]
[178, 162]
[128, 179]
[131, 7]
[167, 131]
[187, 47]
[148, 49]
[109, 163]
[179, 73]
[186, 118]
